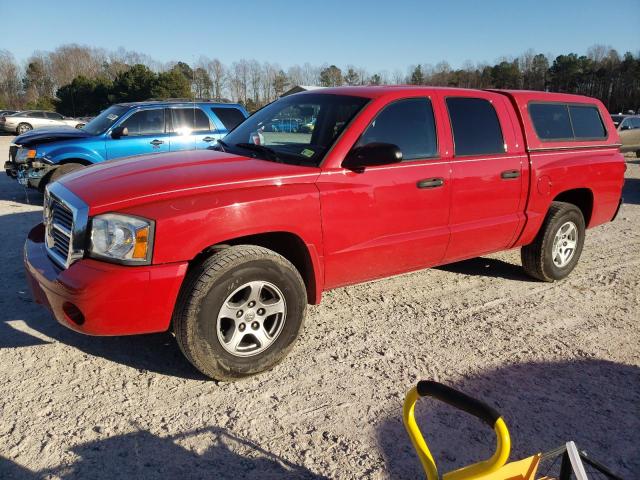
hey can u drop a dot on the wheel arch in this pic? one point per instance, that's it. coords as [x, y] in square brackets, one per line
[287, 244]
[581, 198]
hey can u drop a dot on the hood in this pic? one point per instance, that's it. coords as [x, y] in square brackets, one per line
[48, 135]
[123, 183]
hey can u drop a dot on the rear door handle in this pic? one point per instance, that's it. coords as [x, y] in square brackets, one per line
[156, 143]
[507, 174]
[208, 139]
[430, 183]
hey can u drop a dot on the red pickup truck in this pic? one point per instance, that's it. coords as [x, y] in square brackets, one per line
[226, 248]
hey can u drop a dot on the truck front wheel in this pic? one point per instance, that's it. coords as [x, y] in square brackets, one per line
[556, 249]
[239, 312]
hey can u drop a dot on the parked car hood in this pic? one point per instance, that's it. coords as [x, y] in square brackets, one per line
[127, 182]
[48, 135]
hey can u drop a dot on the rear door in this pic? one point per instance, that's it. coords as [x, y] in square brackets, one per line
[190, 129]
[487, 175]
[147, 134]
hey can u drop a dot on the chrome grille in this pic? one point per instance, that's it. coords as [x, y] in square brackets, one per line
[65, 219]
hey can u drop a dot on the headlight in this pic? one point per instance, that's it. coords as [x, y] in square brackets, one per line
[122, 238]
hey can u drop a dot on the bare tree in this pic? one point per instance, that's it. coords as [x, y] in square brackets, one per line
[239, 80]
[9, 81]
[255, 80]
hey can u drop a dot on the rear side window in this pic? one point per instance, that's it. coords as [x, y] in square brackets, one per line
[230, 117]
[189, 119]
[37, 115]
[53, 115]
[560, 121]
[409, 124]
[475, 125]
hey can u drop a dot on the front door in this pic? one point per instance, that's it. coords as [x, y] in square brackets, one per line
[146, 134]
[388, 219]
[488, 168]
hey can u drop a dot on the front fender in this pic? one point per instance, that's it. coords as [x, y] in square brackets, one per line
[89, 153]
[187, 226]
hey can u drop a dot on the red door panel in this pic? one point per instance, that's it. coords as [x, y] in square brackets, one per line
[487, 198]
[379, 223]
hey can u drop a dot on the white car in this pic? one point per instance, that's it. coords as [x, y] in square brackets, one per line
[22, 122]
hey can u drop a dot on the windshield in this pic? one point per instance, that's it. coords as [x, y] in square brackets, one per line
[102, 122]
[617, 119]
[298, 129]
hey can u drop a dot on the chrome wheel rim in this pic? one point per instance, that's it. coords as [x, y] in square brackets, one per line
[564, 244]
[251, 318]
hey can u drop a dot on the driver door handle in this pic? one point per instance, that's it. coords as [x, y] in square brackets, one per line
[430, 183]
[208, 139]
[156, 143]
[507, 174]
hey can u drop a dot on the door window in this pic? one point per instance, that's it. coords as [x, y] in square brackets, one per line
[37, 115]
[145, 122]
[475, 125]
[408, 124]
[230, 117]
[53, 116]
[188, 120]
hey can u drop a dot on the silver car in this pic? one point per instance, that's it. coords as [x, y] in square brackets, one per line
[22, 122]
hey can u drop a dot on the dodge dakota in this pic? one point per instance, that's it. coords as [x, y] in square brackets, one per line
[225, 247]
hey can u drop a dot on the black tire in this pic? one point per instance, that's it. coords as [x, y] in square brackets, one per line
[63, 170]
[205, 289]
[23, 128]
[537, 258]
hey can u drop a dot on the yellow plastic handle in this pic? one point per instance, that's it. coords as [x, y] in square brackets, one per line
[470, 472]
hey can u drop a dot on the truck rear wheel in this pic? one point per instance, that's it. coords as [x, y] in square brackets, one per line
[556, 249]
[239, 312]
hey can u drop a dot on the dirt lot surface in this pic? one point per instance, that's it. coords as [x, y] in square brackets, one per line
[560, 361]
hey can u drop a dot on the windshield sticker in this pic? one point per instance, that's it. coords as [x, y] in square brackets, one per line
[112, 117]
[307, 152]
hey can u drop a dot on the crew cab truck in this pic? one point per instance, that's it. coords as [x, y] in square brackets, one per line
[226, 247]
[125, 129]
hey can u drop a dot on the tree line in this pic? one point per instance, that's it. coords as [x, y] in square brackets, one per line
[79, 80]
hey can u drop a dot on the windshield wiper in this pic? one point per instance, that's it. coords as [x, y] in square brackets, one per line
[223, 146]
[270, 153]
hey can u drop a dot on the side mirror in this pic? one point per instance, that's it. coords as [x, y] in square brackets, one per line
[371, 155]
[119, 132]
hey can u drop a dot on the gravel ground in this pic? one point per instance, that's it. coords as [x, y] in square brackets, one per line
[560, 361]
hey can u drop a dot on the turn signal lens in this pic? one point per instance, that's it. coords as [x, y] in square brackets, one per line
[31, 154]
[142, 242]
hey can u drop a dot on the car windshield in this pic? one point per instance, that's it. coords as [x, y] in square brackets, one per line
[102, 122]
[298, 129]
[617, 119]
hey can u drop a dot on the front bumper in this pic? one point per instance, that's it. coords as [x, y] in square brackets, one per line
[99, 298]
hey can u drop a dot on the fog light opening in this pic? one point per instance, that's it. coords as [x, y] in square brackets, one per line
[73, 313]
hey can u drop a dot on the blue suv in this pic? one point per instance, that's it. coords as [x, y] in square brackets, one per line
[126, 129]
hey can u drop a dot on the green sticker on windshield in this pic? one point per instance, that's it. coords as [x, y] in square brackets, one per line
[307, 153]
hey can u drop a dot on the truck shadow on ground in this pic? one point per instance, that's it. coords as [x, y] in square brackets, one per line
[631, 191]
[17, 193]
[487, 267]
[23, 323]
[144, 455]
[593, 402]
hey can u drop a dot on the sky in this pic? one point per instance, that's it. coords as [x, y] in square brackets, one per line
[373, 34]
